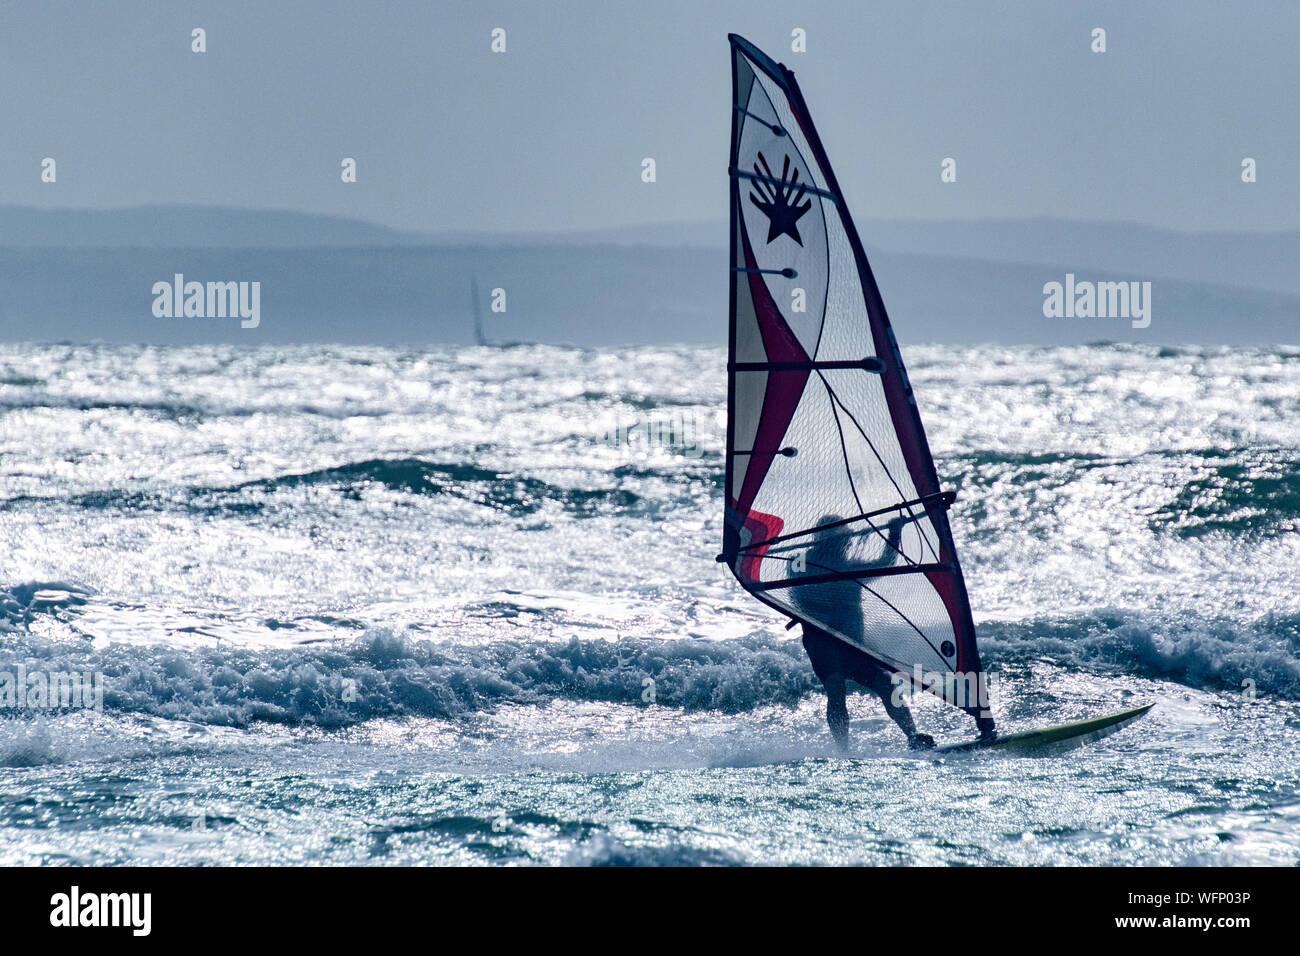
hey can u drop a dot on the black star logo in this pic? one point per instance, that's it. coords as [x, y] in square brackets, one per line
[778, 199]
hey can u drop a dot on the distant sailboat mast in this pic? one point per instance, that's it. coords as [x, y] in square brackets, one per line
[479, 335]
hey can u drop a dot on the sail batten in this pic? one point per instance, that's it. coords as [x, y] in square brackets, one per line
[834, 513]
[945, 498]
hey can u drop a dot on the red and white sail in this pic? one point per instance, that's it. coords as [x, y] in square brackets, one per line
[834, 514]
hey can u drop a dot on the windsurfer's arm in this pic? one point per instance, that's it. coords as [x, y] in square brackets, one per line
[836, 559]
[893, 542]
[894, 535]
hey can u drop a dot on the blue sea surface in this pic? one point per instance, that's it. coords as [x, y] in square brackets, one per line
[460, 606]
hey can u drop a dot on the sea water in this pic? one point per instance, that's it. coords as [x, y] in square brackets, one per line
[363, 605]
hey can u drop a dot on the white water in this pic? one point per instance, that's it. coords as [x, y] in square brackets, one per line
[366, 605]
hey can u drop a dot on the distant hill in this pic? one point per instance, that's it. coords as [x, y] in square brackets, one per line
[578, 295]
[1265, 260]
[210, 227]
[87, 276]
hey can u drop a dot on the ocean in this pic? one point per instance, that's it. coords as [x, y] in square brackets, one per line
[460, 606]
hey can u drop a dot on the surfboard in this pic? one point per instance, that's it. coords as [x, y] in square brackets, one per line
[1053, 739]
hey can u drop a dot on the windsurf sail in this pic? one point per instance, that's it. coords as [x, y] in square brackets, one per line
[834, 514]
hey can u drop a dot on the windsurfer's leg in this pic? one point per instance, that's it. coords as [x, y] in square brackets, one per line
[985, 726]
[882, 685]
[823, 652]
[837, 708]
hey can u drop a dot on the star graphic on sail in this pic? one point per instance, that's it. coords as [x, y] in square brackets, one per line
[778, 199]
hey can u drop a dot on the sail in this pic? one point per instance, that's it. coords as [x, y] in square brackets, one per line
[834, 514]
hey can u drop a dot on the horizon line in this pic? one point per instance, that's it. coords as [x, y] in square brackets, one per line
[715, 223]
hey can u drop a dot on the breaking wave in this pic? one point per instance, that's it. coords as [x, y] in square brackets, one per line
[387, 674]
[1209, 654]
[510, 493]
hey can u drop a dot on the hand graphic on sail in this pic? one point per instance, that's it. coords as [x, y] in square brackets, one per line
[779, 199]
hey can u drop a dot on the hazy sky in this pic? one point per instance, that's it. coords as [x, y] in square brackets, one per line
[550, 135]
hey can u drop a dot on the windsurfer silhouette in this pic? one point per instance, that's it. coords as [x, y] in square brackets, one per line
[839, 603]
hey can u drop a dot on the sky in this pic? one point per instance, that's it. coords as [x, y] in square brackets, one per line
[551, 134]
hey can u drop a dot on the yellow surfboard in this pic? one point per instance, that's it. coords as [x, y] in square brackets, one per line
[1053, 739]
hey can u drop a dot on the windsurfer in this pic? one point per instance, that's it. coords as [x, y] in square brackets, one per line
[839, 603]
